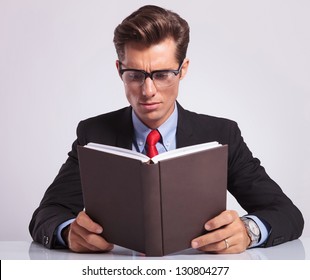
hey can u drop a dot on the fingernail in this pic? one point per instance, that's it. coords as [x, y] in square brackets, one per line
[207, 227]
[99, 230]
[195, 244]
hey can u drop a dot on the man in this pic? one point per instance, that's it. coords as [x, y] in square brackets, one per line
[151, 45]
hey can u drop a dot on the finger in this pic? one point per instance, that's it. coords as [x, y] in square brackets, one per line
[211, 238]
[77, 243]
[86, 222]
[82, 246]
[213, 241]
[80, 240]
[225, 218]
[222, 246]
[225, 241]
[226, 246]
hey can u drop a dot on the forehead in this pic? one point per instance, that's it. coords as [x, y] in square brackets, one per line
[158, 55]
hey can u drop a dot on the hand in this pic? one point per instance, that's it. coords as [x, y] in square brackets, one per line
[227, 235]
[82, 236]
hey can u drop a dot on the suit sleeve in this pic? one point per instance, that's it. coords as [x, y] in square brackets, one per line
[62, 201]
[259, 195]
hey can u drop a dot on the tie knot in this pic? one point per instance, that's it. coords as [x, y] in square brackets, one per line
[153, 137]
[151, 141]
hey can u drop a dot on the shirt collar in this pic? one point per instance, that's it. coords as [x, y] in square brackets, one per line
[167, 131]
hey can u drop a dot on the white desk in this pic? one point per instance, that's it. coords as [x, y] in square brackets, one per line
[22, 250]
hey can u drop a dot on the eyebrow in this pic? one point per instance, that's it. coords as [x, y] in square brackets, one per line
[164, 69]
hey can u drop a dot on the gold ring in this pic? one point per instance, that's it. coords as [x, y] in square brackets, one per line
[226, 243]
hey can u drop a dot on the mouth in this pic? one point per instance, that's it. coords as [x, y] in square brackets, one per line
[150, 105]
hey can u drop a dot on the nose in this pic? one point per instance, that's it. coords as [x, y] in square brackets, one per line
[149, 88]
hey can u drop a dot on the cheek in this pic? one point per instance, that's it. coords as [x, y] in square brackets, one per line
[171, 94]
[131, 95]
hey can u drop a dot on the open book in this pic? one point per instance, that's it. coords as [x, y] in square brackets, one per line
[144, 158]
[155, 206]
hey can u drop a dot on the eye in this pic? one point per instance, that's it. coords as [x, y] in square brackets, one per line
[134, 76]
[163, 75]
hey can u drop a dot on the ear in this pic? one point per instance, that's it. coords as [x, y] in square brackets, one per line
[184, 68]
[118, 66]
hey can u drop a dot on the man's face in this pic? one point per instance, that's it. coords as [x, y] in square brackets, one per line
[153, 105]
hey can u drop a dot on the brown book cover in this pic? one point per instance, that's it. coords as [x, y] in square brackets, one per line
[153, 208]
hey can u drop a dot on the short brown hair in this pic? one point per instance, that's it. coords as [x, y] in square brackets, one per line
[151, 25]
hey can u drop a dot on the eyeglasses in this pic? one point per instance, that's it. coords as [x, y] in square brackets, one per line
[160, 78]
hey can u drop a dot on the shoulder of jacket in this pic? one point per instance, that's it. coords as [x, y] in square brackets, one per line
[106, 117]
[201, 118]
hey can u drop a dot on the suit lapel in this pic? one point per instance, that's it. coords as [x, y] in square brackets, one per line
[124, 134]
[184, 136]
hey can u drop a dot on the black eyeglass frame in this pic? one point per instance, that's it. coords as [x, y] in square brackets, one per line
[150, 74]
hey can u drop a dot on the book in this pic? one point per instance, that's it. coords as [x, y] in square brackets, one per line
[154, 206]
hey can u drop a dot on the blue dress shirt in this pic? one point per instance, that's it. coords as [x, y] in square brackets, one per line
[167, 131]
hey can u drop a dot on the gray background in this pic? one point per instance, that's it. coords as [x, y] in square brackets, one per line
[250, 62]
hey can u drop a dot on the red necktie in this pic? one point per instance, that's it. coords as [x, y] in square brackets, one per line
[151, 141]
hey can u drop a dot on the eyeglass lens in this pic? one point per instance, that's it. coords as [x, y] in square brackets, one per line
[160, 78]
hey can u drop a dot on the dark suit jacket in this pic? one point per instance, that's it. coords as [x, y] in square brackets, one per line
[247, 179]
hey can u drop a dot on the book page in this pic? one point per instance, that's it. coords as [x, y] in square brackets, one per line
[143, 158]
[118, 151]
[185, 151]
